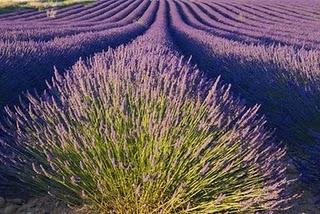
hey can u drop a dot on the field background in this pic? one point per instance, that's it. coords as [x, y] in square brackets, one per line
[268, 51]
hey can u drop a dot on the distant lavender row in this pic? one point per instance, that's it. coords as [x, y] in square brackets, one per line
[285, 82]
[89, 12]
[255, 22]
[26, 65]
[22, 15]
[129, 15]
[85, 19]
[17, 13]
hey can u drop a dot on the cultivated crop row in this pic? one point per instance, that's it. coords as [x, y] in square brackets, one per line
[280, 78]
[26, 64]
[172, 106]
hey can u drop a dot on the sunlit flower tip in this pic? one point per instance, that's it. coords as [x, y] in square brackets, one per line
[97, 171]
[44, 171]
[81, 165]
[66, 164]
[145, 178]
[178, 143]
[205, 169]
[121, 165]
[220, 198]
[35, 169]
[83, 194]
[75, 179]
[51, 194]
[137, 190]
[48, 155]
[52, 166]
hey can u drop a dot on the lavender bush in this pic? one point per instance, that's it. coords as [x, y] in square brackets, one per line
[137, 131]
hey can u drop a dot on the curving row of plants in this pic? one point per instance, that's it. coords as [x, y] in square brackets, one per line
[256, 22]
[283, 80]
[41, 34]
[11, 5]
[36, 59]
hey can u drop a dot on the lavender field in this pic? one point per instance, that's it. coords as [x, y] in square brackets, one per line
[160, 107]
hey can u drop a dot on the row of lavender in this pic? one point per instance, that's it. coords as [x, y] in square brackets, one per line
[284, 80]
[253, 21]
[27, 64]
[138, 129]
[113, 15]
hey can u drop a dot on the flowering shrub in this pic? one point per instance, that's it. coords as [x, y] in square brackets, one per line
[135, 130]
